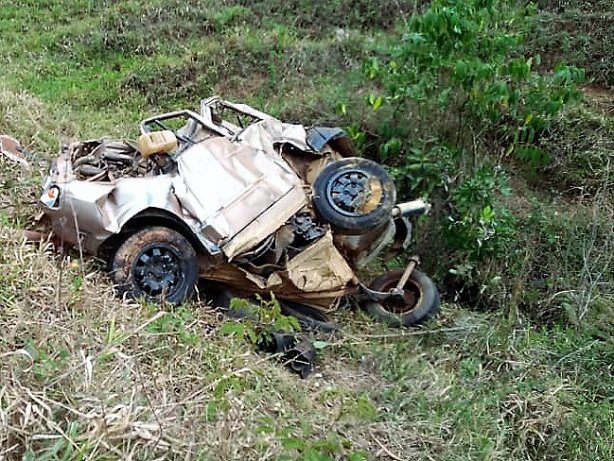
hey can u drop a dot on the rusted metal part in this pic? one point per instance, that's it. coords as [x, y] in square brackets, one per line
[318, 275]
[13, 150]
[31, 236]
[413, 262]
[106, 161]
[365, 293]
[395, 295]
[308, 166]
[401, 239]
[360, 249]
[305, 227]
[398, 303]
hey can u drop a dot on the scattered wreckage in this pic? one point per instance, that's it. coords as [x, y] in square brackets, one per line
[246, 202]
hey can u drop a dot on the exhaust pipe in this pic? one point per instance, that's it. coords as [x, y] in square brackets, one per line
[413, 208]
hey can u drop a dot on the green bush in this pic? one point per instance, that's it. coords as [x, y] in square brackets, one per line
[481, 226]
[465, 58]
[458, 99]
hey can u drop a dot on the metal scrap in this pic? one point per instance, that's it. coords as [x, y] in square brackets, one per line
[298, 355]
[14, 151]
[306, 230]
[102, 160]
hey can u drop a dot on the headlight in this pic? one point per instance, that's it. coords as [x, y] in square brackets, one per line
[51, 196]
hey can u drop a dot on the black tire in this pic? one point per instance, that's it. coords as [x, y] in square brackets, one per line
[309, 318]
[354, 195]
[155, 263]
[420, 302]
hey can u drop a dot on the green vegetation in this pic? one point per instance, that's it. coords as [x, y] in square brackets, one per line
[453, 98]
[262, 320]
[578, 32]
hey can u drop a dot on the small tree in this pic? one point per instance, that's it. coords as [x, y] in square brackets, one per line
[457, 94]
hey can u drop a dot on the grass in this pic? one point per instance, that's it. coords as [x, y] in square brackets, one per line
[84, 375]
[577, 32]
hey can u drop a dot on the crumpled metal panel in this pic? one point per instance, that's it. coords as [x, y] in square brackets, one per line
[265, 134]
[79, 217]
[317, 274]
[97, 210]
[320, 267]
[319, 136]
[227, 186]
[266, 223]
[130, 196]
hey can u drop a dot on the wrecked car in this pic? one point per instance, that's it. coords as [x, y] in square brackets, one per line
[244, 201]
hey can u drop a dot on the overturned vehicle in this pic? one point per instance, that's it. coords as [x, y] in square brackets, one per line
[245, 202]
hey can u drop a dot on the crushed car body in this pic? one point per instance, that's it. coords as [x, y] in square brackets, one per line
[239, 198]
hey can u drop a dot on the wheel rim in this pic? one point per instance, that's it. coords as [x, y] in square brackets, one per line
[354, 193]
[405, 304]
[157, 270]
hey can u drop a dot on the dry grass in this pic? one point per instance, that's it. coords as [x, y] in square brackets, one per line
[25, 117]
[83, 372]
[86, 375]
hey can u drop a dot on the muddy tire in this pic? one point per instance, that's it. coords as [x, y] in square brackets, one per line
[420, 301]
[354, 195]
[155, 263]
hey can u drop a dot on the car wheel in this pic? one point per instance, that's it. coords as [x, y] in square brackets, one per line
[354, 195]
[419, 303]
[155, 263]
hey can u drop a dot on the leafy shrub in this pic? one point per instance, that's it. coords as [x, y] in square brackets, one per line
[481, 226]
[457, 99]
[419, 168]
[465, 57]
[260, 320]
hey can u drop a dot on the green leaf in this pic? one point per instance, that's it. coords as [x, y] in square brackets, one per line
[528, 118]
[312, 455]
[487, 214]
[231, 328]
[77, 283]
[377, 103]
[358, 456]
[252, 335]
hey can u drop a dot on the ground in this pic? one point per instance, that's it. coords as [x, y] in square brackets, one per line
[84, 375]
